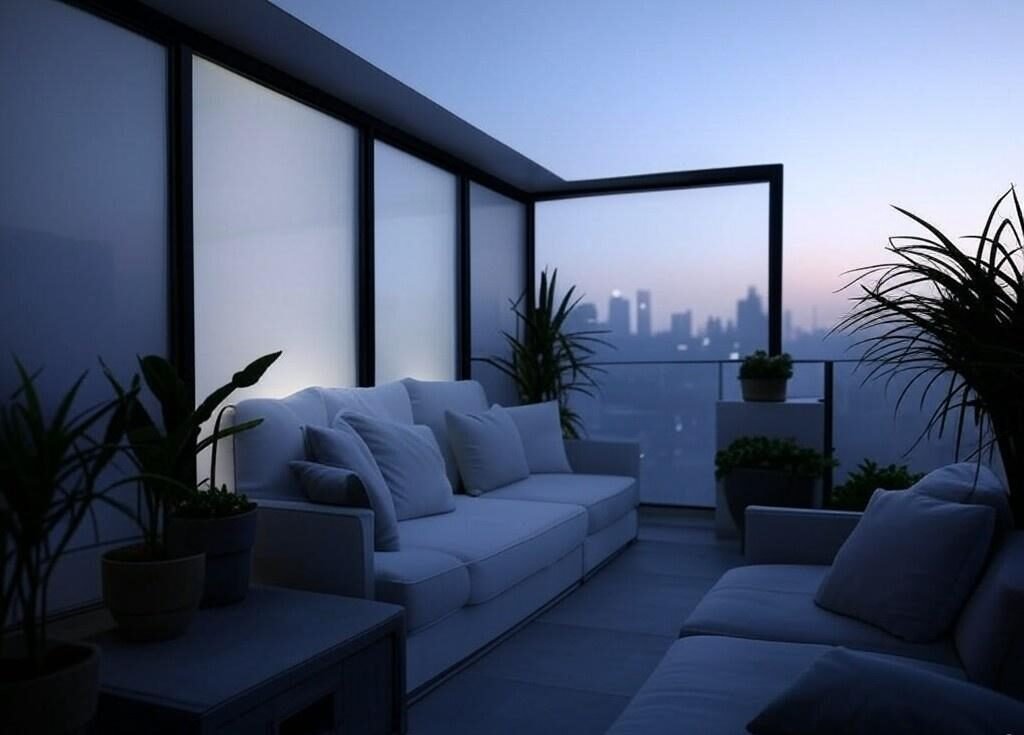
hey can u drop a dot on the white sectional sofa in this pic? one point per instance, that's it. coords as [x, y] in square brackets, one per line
[464, 577]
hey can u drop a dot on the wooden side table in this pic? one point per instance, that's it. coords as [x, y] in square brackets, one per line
[281, 662]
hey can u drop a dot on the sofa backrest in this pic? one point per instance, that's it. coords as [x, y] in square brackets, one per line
[431, 398]
[262, 454]
[989, 634]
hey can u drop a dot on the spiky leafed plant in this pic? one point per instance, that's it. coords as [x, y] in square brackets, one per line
[549, 361]
[951, 320]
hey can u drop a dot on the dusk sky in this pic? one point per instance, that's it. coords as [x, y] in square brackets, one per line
[865, 103]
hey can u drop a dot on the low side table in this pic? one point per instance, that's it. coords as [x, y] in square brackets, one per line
[281, 662]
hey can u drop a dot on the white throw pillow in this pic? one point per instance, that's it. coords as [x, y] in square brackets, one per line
[540, 428]
[410, 461]
[488, 449]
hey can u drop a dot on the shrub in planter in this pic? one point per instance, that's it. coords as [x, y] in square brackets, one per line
[763, 377]
[758, 470]
[50, 469]
[153, 589]
[869, 476]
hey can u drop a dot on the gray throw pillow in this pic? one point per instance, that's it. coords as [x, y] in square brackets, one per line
[969, 482]
[540, 427]
[487, 448]
[342, 447]
[850, 693]
[410, 461]
[323, 483]
[909, 564]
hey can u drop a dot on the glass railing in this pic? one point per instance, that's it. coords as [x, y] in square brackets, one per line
[669, 408]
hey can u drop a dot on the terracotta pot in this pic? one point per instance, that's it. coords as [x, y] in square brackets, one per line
[227, 543]
[152, 600]
[745, 487]
[61, 701]
[768, 390]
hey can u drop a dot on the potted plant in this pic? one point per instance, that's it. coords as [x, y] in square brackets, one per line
[758, 470]
[951, 319]
[869, 476]
[153, 589]
[550, 361]
[50, 469]
[763, 377]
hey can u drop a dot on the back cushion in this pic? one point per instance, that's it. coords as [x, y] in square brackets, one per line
[989, 635]
[262, 454]
[430, 399]
[972, 483]
[388, 401]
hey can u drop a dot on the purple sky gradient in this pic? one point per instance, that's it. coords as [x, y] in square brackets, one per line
[866, 103]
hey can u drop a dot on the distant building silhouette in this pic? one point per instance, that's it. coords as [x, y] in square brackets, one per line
[618, 315]
[751, 322]
[681, 327]
[643, 313]
[583, 317]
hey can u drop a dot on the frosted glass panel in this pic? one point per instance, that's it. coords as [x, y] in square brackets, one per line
[83, 220]
[497, 263]
[415, 258]
[275, 236]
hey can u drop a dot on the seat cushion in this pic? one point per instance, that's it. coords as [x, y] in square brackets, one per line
[431, 398]
[775, 602]
[715, 685]
[502, 542]
[607, 498]
[430, 585]
[910, 564]
[989, 635]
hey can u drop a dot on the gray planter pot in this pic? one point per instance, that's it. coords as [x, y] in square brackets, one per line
[59, 702]
[152, 600]
[768, 390]
[227, 543]
[744, 487]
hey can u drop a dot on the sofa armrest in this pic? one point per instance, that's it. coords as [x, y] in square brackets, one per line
[315, 547]
[601, 457]
[796, 535]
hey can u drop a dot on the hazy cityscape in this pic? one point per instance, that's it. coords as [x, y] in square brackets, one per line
[661, 388]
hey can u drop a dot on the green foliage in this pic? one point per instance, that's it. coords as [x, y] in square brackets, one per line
[164, 454]
[855, 493]
[49, 478]
[951, 321]
[213, 503]
[765, 366]
[548, 361]
[764, 453]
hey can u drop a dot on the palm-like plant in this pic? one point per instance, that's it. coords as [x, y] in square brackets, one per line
[952, 322]
[550, 362]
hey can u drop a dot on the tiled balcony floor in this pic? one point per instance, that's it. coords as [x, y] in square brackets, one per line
[572, 670]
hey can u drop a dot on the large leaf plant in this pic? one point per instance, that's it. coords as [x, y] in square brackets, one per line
[950, 320]
[549, 361]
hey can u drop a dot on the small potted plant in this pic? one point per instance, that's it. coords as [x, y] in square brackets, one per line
[50, 468]
[153, 589]
[758, 470]
[869, 476]
[763, 377]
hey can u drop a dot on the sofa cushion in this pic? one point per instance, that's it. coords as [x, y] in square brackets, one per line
[910, 564]
[776, 602]
[342, 447]
[540, 427]
[607, 498]
[502, 542]
[410, 462]
[969, 482]
[431, 398]
[715, 685]
[387, 401]
[487, 449]
[989, 635]
[850, 693]
[323, 483]
[430, 585]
